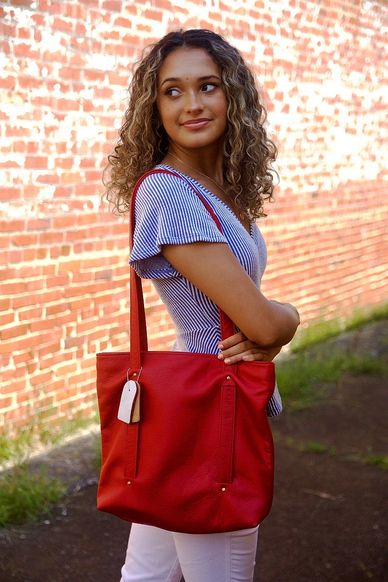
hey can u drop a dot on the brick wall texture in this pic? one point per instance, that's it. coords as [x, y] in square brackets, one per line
[64, 72]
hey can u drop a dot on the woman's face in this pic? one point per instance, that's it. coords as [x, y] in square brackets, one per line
[191, 101]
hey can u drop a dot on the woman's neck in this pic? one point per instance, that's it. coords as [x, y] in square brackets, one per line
[211, 184]
[209, 164]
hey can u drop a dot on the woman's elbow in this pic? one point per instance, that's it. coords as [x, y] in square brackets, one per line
[275, 333]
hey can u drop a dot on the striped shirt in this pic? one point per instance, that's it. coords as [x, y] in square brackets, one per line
[168, 211]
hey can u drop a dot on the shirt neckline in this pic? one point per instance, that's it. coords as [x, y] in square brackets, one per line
[250, 233]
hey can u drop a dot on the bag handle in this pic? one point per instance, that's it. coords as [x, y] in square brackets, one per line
[138, 325]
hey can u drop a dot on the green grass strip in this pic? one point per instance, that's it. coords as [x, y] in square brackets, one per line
[25, 495]
[316, 333]
[299, 376]
[376, 460]
[303, 376]
[18, 448]
[324, 330]
[15, 448]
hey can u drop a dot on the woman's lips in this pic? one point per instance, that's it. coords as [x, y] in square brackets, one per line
[196, 123]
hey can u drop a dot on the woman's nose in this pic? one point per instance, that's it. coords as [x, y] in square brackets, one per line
[193, 102]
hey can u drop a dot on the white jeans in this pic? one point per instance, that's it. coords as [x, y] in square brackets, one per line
[157, 555]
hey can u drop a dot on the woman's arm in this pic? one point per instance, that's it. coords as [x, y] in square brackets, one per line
[212, 268]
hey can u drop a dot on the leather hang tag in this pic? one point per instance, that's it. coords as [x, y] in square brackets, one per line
[129, 408]
[135, 412]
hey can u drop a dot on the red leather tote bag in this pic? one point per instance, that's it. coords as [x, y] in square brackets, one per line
[193, 451]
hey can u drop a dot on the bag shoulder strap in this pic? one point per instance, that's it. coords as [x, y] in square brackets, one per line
[138, 326]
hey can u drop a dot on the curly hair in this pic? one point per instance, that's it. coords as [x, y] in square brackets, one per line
[143, 142]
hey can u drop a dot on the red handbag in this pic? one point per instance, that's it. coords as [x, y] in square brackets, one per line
[192, 449]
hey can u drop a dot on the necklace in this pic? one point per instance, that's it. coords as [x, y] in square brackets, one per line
[198, 172]
[214, 182]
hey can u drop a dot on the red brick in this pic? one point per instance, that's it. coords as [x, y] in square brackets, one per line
[13, 331]
[14, 288]
[43, 379]
[8, 83]
[8, 30]
[65, 370]
[29, 314]
[36, 162]
[6, 318]
[70, 73]
[318, 241]
[113, 5]
[12, 225]
[6, 402]
[5, 304]
[62, 25]
[51, 237]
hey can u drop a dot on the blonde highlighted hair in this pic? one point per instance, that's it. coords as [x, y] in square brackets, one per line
[143, 142]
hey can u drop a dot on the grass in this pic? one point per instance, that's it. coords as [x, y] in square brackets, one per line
[67, 428]
[362, 316]
[317, 448]
[300, 376]
[357, 365]
[323, 330]
[15, 448]
[376, 460]
[18, 448]
[305, 377]
[24, 496]
[316, 333]
[307, 374]
[314, 447]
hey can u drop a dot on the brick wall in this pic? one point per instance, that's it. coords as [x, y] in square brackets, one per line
[64, 69]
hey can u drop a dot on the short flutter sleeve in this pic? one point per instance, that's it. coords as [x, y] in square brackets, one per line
[167, 211]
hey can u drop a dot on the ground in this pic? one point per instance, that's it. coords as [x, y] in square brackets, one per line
[329, 516]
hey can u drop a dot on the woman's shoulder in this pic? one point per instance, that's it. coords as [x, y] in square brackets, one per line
[168, 211]
[160, 177]
[163, 187]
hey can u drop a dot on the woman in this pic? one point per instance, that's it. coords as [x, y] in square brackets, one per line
[194, 109]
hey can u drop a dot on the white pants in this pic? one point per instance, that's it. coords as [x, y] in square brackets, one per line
[157, 555]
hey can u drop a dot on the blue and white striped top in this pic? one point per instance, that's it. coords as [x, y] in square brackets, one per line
[168, 211]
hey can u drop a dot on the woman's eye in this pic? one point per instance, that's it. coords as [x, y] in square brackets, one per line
[172, 92]
[207, 87]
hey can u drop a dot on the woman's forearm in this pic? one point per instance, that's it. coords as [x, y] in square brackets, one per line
[282, 321]
[213, 269]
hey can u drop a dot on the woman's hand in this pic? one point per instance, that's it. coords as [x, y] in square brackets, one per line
[237, 348]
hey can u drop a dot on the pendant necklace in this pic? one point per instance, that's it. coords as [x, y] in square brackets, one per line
[214, 182]
[199, 172]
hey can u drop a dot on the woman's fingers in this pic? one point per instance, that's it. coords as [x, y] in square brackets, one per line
[238, 349]
[266, 356]
[232, 341]
[248, 355]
